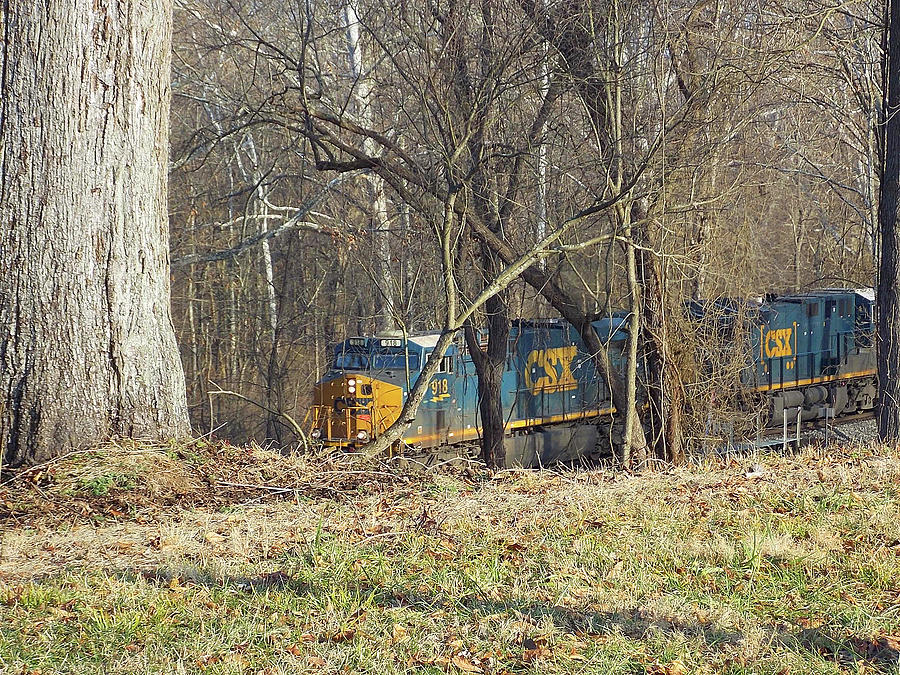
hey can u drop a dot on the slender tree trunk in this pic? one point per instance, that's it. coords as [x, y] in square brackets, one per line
[634, 334]
[542, 162]
[889, 268]
[383, 294]
[490, 363]
[665, 391]
[623, 210]
[489, 366]
[194, 345]
[87, 347]
[472, 107]
[230, 364]
[259, 208]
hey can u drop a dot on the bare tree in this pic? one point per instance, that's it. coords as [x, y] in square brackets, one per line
[729, 142]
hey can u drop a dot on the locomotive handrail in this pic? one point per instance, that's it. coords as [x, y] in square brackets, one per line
[834, 351]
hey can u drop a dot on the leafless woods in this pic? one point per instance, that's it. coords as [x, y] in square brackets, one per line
[343, 167]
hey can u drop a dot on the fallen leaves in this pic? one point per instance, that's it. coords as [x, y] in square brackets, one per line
[214, 537]
[534, 649]
[891, 642]
[62, 614]
[676, 667]
[399, 633]
[884, 649]
[344, 635]
[234, 658]
[466, 665]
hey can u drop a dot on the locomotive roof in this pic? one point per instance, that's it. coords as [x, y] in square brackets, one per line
[426, 340]
[868, 293]
[430, 340]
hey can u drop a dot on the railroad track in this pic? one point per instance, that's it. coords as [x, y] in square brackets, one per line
[768, 438]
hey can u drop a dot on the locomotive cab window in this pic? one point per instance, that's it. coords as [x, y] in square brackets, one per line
[812, 309]
[446, 365]
[394, 361]
[348, 360]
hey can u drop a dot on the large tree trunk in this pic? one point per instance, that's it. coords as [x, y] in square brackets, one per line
[889, 269]
[87, 348]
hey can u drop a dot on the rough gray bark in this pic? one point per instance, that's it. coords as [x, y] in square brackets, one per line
[889, 265]
[87, 349]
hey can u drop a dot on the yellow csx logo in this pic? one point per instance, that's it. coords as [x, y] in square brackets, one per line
[778, 342]
[550, 370]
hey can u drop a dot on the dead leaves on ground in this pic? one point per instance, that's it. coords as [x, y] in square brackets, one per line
[462, 659]
[672, 668]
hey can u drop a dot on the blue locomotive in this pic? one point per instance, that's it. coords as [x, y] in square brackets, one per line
[814, 354]
[810, 355]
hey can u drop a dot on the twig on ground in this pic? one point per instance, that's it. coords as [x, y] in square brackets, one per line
[251, 486]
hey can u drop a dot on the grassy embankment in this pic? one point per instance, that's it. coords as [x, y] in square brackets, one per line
[141, 560]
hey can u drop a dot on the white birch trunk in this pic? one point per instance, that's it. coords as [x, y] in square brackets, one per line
[260, 209]
[542, 165]
[361, 92]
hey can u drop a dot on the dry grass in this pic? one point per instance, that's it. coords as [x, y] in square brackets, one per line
[139, 560]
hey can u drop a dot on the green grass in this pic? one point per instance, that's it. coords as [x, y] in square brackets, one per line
[583, 572]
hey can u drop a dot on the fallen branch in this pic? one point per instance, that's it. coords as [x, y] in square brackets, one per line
[296, 427]
[250, 486]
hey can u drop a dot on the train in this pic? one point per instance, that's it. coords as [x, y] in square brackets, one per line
[806, 356]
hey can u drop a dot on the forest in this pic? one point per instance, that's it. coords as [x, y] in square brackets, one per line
[341, 169]
[272, 177]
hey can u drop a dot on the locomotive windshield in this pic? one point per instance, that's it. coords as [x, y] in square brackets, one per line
[394, 362]
[351, 361]
[376, 361]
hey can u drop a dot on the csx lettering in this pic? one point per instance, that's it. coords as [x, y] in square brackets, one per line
[778, 342]
[549, 370]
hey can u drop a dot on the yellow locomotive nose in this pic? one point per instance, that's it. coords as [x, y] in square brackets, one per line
[352, 409]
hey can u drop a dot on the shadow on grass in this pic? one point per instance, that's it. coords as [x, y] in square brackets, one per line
[831, 643]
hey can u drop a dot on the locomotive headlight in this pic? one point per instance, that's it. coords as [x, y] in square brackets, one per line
[351, 389]
[351, 383]
[362, 436]
[316, 433]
